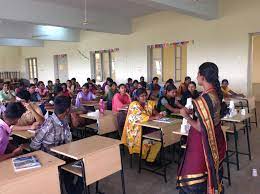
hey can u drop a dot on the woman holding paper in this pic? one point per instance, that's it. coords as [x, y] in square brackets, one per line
[139, 111]
[201, 170]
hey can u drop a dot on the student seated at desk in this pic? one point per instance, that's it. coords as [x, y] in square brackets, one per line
[184, 86]
[139, 111]
[120, 99]
[66, 91]
[190, 93]
[168, 102]
[55, 130]
[109, 97]
[227, 92]
[34, 96]
[154, 89]
[33, 117]
[13, 112]
[142, 82]
[6, 94]
[163, 89]
[50, 87]
[42, 90]
[84, 96]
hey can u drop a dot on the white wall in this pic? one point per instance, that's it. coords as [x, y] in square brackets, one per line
[10, 58]
[223, 41]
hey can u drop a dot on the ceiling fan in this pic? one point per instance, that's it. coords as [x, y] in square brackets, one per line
[86, 20]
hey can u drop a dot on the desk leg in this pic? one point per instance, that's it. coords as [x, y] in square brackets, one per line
[248, 140]
[140, 156]
[122, 173]
[228, 169]
[236, 147]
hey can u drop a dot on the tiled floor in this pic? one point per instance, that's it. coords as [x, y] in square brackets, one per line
[147, 183]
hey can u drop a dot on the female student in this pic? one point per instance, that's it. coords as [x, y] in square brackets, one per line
[120, 99]
[168, 102]
[190, 93]
[139, 111]
[201, 169]
[184, 86]
[154, 89]
[227, 92]
[84, 96]
[66, 91]
[13, 112]
[42, 90]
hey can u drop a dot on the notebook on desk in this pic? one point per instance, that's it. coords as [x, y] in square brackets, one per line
[25, 163]
[163, 120]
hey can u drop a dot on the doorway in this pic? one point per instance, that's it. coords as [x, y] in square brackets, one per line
[61, 67]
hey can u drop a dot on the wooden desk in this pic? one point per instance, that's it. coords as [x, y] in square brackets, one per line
[107, 122]
[101, 156]
[165, 136]
[234, 120]
[44, 180]
[85, 147]
[24, 134]
[90, 104]
[237, 118]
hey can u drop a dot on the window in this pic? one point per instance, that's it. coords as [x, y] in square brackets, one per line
[32, 68]
[167, 61]
[103, 64]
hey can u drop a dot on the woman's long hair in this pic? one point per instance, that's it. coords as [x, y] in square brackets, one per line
[210, 72]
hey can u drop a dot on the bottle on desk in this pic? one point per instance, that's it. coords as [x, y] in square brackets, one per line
[101, 106]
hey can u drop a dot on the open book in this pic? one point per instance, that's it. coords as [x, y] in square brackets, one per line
[25, 163]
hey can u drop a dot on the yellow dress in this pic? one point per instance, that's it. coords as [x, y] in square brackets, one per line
[132, 133]
[225, 91]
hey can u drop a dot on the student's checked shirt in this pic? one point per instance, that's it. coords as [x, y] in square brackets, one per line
[52, 133]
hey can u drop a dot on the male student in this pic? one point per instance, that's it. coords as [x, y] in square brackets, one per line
[10, 117]
[55, 130]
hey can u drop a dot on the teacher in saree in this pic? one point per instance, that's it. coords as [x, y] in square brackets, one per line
[201, 170]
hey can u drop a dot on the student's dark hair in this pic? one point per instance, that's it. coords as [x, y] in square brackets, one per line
[32, 85]
[94, 81]
[155, 78]
[171, 87]
[39, 83]
[110, 80]
[57, 90]
[61, 104]
[74, 79]
[135, 81]
[86, 85]
[142, 77]
[187, 78]
[64, 84]
[170, 81]
[129, 79]
[225, 80]
[193, 83]
[35, 78]
[140, 91]
[14, 110]
[24, 94]
[121, 85]
[6, 83]
[88, 79]
[210, 71]
[114, 83]
[49, 81]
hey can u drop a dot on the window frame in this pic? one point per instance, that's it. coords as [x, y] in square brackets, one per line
[30, 66]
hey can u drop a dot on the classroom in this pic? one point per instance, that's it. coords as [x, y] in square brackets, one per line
[129, 96]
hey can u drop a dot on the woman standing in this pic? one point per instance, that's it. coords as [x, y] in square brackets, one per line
[201, 170]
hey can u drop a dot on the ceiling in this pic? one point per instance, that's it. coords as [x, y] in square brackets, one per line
[35, 20]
